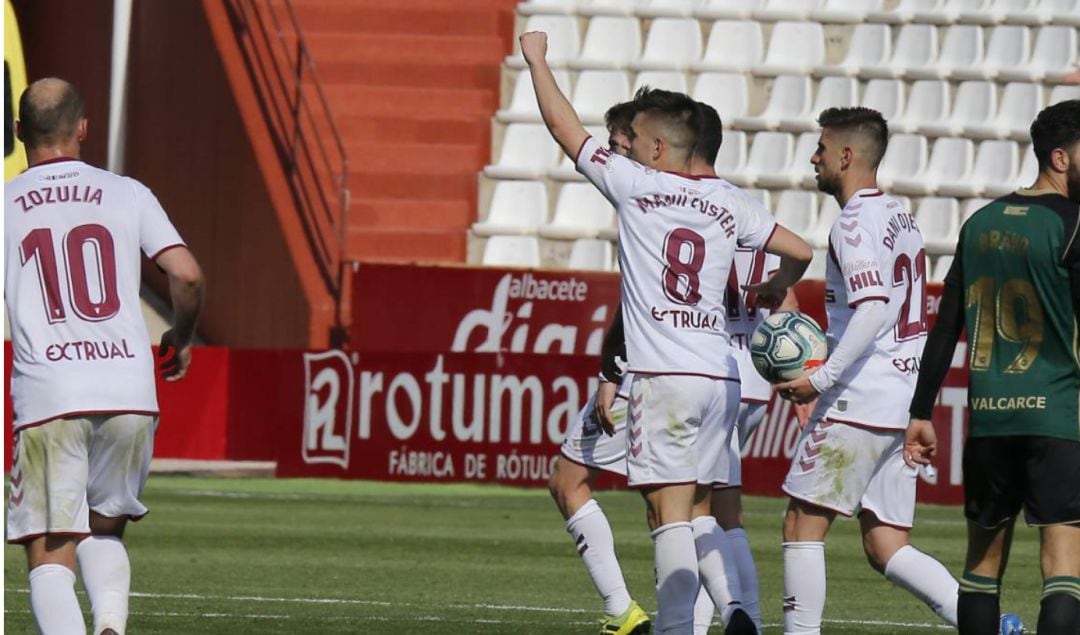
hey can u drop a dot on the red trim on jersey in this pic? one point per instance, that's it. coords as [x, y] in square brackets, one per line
[577, 155]
[864, 426]
[82, 413]
[164, 249]
[769, 239]
[662, 484]
[28, 538]
[653, 372]
[832, 255]
[53, 160]
[590, 467]
[878, 516]
[867, 299]
[692, 177]
[816, 504]
[873, 194]
[757, 401]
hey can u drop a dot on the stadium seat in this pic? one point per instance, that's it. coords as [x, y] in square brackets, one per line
[511, 251]
[941, 267]
[831, 91]
[951, 161]
[794, 48]
[975, 105]
[533, 7]
[770, 153]
[1009, 46]
[797, 210]
[517, 207]
[611, 42]
[523, 108]
[589, 254]
[961, 48]
[1054, 54]
[946, 12]
[731, 159]
[596, 91]
[528, 151]
[828, 211]
[971, 206]
[734, 45]
[775, 10]
[1020, 103]
[581, 211]
[565, 170]
[939, 222]
[885, 96]
[789, 100]
[845, 11]
[727, 9]
[1029, 170]
[1065, 12]
[995, 11]
[726, 92]
[672, 44]
[1062, 93]
[916, 47]
[818, 265]
[564, 40]
[905, 158]
[927, 102]
[667, 8]
[607, 7]
[904, 11]
[798, 171]
[667, 80]
[870, 45]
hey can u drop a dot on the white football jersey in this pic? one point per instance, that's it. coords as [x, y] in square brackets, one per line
[876, 253]
[743, 316]
[677, 238]
[73, 234]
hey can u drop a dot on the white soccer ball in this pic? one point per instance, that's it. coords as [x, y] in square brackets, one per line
[785, 345]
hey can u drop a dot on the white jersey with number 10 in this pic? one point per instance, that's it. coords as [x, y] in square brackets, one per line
[677, 238]
[73, 235]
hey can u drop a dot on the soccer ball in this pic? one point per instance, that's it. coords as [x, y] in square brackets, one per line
[785, 345]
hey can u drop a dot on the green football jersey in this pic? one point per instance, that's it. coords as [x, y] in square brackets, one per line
[1019, 260]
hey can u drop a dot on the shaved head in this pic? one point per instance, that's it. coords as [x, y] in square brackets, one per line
[50, 111]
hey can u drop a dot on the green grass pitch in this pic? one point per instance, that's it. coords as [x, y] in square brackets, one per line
[319, 556]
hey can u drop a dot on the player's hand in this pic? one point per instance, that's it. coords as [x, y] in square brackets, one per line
[605, 397]
[920, 442]
[803, 412]
[769, 294]
[533, 46]
[800, 391]
[175, 358]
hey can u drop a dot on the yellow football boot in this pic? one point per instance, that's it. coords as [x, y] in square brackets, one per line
[633, 621]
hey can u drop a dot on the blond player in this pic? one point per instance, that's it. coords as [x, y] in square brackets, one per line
[677, 238]
[849, 458]
[82, 386]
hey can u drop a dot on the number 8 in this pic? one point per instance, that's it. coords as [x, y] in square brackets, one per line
[680, 277]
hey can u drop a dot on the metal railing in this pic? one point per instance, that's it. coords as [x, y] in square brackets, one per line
[301, 124]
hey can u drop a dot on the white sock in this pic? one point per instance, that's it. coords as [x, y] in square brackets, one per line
[926, 579]
[106, 576]
[52, 598]
[748, 580]
[591, 532]
[676, 578]
[804, 587]
[716, 562]
[703, 612]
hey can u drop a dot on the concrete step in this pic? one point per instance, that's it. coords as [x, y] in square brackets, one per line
[469, 130]
[411, 74]
[415, 213]
[396, 101]
[406, 244]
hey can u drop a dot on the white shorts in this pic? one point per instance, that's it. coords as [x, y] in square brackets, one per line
[586, 444]
[847, 468]
[751, 414]
[679, 428]
[63, 469]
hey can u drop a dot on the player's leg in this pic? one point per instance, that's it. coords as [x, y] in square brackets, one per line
[675, 559]
[121, 447]
[1059, 613]
[47, 512]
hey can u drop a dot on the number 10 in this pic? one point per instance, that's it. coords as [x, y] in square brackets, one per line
[38, 244]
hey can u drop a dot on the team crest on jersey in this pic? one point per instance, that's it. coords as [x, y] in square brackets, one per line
[328, 408]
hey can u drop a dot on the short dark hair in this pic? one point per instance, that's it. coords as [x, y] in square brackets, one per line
[1057, 126]
[678, 112]
[620, 116]
[49, 112]
[866, 123]
[710, 133]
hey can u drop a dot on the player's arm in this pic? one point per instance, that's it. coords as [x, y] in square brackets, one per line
[559, 116]
[795, 254]
[186, 287]
[612, 371]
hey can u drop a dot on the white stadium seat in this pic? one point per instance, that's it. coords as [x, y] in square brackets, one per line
[1010, 46]
[905, 158]
[667, 80]
[971, 206]
[775, 10]
[1029, 169]
[667, 8]
[797, 210]
[523, 108]
[996, 11]
[788, 100]
[726, 92]
[1062, 93]
[794, 48]
[528, 151]
[904, 11]
[962, 48]
[611, 42]
[596, 91]
[828, 211]
[939, 222]
[798, 171]
[1054, 54]
[831, 92]
[564, 39]
[916, 47]
[532, 7]
[885, 96]
[947, 12]
[997, 164]
[770, 152]
[941, 268]
[672, 44]
[1020, 103]
[1066, 12]
[928, 101]
[607, 7]
[590, 254]
[870, 45]
[565, 170]
[951, 161]
[731, 159]
[975, 105]
[727, 9]
[581, 211]
[517, 207]
[732, 46]
[846, 11]
[511, 251]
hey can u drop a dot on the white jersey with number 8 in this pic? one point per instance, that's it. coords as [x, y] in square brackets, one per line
[677, 238]
[73, 235]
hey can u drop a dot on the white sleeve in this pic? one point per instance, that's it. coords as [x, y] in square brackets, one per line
[853, 246]
[864, 326]
[156, 232]
[614, 175]
[754, 223]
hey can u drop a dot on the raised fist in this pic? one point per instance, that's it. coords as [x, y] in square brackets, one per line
[534, 46]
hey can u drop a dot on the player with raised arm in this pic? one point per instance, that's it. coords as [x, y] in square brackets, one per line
[1015, 286]
[849, 456]
[82, 386]
[677, 238]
